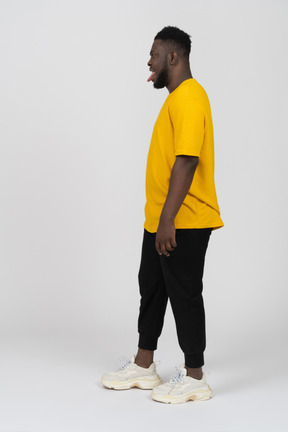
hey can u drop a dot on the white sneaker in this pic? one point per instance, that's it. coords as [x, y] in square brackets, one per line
[182, 388]
[131, 375]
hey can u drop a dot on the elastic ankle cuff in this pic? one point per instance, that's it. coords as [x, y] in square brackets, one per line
[194, 360]
[147, 342]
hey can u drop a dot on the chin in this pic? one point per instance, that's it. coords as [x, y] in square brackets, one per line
[162, 80]
[159, 86]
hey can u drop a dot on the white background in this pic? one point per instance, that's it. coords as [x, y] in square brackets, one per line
[76, 120]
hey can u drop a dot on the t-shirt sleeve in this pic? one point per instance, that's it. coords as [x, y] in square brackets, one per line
[188, 124]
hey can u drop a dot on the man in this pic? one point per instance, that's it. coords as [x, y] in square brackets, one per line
[181, 211]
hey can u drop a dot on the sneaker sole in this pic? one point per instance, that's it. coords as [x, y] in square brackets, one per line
[199, 395]
[139, 383]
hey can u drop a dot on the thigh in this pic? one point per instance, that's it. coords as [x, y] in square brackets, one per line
[183, 269]
[150, 272]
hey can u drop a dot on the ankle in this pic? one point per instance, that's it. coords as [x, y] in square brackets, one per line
[195, 373]
[144, 358]
[144, 365]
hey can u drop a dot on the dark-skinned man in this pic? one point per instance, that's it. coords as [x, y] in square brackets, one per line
[180, 213]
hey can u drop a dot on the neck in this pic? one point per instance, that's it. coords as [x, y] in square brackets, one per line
[178, 79]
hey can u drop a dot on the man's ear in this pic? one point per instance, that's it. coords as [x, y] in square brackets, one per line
[173, 58]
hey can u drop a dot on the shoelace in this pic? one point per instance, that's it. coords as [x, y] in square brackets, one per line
[176, 378]
[126, 363]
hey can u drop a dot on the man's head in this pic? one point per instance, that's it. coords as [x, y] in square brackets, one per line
[169, 52]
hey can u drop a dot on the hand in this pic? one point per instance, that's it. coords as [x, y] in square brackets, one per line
[165, 238]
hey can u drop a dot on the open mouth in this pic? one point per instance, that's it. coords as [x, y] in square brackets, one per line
[151, 77]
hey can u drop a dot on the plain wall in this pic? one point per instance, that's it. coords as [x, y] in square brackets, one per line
[76, 121]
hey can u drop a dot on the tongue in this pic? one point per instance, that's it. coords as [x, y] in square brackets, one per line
[151, 76]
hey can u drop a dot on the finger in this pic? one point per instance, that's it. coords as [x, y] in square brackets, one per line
[164, 250]
[173, 242]
[169, 247]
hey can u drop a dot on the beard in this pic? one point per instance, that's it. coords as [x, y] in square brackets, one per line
[162, 80]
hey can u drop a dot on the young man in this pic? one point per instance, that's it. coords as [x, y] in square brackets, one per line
[181, 211]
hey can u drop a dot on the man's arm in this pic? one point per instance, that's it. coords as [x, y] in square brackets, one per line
[180, 181]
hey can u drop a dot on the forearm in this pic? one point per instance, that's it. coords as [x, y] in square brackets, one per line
[180, 182]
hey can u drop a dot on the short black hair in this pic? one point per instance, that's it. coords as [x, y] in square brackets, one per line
[176, 37]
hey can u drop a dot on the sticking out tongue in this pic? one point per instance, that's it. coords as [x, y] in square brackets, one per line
[151, 76]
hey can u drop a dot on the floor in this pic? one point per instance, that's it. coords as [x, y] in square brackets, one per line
[53, 384]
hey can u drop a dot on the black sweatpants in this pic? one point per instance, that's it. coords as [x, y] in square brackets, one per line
[179, 278]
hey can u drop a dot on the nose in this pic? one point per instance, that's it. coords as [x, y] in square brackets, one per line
[149, 62]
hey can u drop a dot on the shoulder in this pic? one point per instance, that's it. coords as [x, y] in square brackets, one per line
[191, 96]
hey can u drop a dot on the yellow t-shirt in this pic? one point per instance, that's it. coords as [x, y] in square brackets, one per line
[184, 127]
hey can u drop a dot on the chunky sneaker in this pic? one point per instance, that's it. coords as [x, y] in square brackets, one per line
[131, 375]
[182, 388]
